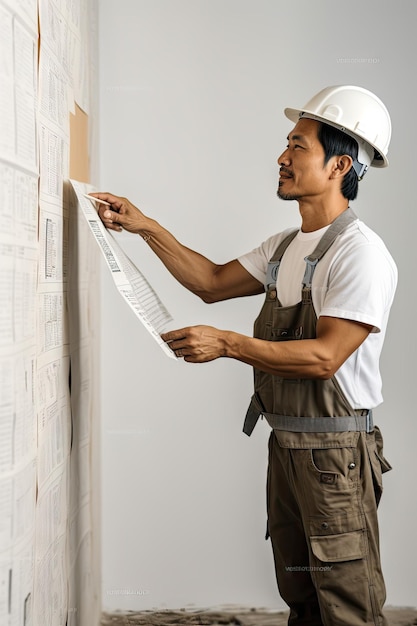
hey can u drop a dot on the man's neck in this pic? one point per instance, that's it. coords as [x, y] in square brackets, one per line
[318, 215]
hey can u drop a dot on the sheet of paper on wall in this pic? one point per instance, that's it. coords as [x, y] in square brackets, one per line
[130, 282]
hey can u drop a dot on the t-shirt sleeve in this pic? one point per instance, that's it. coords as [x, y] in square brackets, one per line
[361, 286]
[253, 266]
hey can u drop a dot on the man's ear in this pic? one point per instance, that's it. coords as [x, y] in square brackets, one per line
[342, 164]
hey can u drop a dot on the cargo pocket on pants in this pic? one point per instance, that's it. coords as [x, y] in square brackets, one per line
[341, 547]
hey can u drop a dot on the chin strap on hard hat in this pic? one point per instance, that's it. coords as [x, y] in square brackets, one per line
[360, 169]
[366, 154]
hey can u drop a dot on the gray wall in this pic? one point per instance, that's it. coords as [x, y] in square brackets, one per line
[192, 96]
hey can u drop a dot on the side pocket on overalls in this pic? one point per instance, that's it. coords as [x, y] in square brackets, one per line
[379, 464]
[339, 548]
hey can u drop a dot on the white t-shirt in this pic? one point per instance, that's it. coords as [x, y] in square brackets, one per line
[356, 280]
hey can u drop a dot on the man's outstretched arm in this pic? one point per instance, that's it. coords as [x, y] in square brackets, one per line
[208, 280]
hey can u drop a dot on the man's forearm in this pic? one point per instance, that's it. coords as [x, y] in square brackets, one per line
[287, 359]
[194, 271]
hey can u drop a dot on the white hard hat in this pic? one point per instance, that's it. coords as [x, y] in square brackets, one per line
[358, 113]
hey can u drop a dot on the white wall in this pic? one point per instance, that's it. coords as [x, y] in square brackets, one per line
[192, 96]
[49, 331]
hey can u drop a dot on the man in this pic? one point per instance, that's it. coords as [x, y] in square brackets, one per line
[315, 352]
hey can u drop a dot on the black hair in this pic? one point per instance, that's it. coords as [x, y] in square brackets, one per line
[336, 143]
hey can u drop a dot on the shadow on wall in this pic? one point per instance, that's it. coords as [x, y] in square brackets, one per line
[83, 536]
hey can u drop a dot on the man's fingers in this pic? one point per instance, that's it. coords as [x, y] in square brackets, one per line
[110, 218]
[173, 336]
[176, 339]
[116, 201]
[109, 215]
[113, 226]
[120, 212]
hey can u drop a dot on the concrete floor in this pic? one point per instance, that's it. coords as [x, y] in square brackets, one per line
[395, 616]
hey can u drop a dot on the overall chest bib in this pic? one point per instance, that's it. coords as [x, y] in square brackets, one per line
[300, 405]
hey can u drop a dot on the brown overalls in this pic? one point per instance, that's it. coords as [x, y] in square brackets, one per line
[324, 474]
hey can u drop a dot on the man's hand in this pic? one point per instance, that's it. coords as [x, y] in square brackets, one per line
[197, 344]
[121, 214]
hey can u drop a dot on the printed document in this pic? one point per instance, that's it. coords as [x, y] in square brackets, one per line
[130, 282]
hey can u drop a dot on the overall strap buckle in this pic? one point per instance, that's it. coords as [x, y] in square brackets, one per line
[309, 271]
[271, 274]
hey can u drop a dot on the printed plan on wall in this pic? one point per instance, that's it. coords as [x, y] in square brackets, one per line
[45, 487]
[18, 286]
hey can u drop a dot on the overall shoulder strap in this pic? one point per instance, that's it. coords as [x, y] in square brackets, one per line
[334, 230]
[279, 252]
[274, 262]
[331, 234]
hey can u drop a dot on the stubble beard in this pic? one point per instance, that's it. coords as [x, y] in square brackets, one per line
[286, 196]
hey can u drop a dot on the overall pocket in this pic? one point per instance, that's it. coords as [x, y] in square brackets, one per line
[325, 470]
[338, 548]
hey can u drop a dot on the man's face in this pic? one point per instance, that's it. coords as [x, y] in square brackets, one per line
[302, 171]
